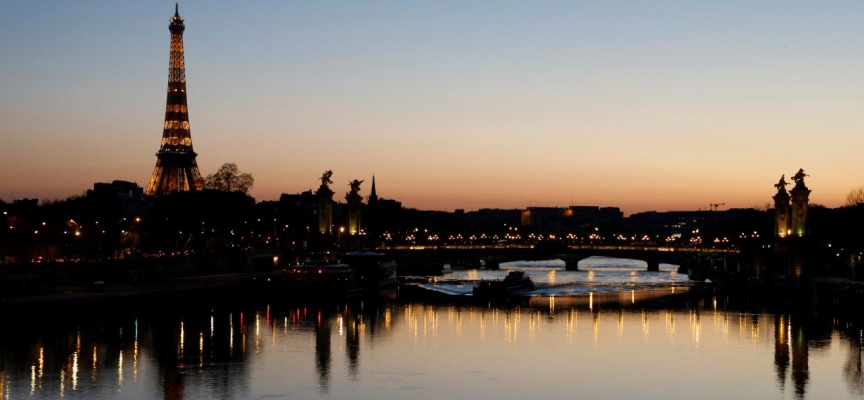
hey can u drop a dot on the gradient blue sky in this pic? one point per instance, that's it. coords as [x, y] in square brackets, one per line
[643, 105]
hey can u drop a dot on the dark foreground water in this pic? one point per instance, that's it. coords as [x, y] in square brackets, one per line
[596, 347]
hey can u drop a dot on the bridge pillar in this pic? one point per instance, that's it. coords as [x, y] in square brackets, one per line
[571, 262]
[653, 265]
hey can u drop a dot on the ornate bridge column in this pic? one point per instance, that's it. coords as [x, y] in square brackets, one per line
[324, 206]
[782, 228]
[354, 202]
[800, 204]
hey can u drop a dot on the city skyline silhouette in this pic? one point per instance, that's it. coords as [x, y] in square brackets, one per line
[451, 106]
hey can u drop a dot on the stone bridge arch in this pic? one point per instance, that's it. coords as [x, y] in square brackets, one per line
[493, 256]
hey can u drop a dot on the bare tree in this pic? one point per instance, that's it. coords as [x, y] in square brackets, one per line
[229, 179]
[855, 197]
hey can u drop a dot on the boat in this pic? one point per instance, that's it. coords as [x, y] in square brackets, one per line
[322, 279]
[515, 283]
[372, 271]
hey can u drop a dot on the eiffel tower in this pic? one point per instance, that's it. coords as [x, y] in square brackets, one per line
[176, 169]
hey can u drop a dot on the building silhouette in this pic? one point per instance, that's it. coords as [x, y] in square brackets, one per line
[176, 169]
[554, 219]
[128, 196]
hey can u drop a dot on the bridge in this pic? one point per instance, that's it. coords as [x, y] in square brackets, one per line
[493, 255]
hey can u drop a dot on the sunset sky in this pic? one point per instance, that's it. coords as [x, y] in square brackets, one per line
[642, 105]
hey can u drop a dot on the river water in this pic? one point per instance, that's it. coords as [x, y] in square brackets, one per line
[608, 344]
[595, 274]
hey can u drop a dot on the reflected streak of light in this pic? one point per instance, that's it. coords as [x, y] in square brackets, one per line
[482, 325]
[41, 365]
[200, 350]
[341, 326]
[670, 323]
[431, 314]
[717, 321]
[120, 369]
[510, 328]
[781, 330]
[242, 335]
[231, 334]
[272, 335]
[258, 330]
[182, 340]
[74, 371]
[532, 328]
[755, 331]
[451, 315]
[695, 327]
[591, 301]
[435, 322]
[551, 276]
[388, 319]
[552, 304]
[459, 323]
[135, 362]
[62, 383]
[632, 297]
[596, 327]
[473, 275]
[32, 379]
[211, 326]
[517, 319]
[425, 323]
[95, 359]
[646, 328]
[620, 324]
[413, 323]
[571, 325]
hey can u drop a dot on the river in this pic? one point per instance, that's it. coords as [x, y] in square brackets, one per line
[626, 343]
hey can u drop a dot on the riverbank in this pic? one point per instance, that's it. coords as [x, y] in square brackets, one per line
[117, 295]
[206, 289]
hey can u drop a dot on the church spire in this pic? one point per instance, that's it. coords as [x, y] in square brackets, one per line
[373, 195]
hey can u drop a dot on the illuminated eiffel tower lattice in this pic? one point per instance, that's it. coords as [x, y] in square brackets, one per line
[176, 169]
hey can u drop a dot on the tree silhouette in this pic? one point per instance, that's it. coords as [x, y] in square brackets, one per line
[229, 179]
[855, 197]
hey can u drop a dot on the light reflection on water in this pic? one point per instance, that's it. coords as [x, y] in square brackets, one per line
[552, 349]
[551, 278]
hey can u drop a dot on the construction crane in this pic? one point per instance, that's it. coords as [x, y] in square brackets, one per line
[714, 206]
